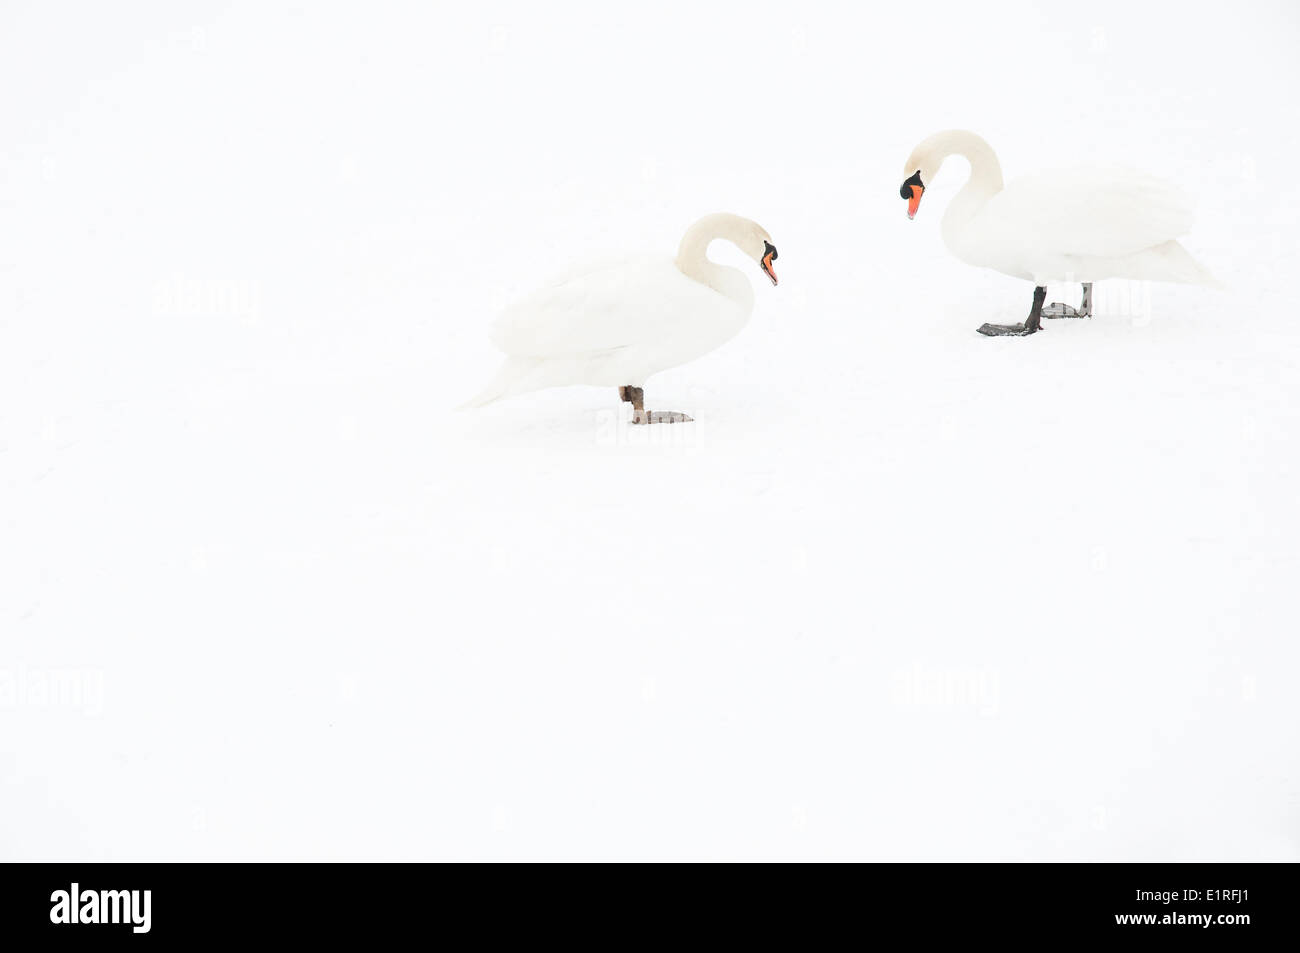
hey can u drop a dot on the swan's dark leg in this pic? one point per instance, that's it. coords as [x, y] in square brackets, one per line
[1030, 325]
[1058, 310]
[636, 397]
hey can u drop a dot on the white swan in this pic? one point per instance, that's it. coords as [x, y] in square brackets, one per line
[617, 324]
[1072, 225]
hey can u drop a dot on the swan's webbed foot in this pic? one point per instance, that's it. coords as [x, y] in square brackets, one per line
[659, 417]
[1006, 330]
[1058, 310]
[1028, 327]
[636, 397]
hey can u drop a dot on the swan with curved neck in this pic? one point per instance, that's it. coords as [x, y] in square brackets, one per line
[693, 260]
[617, 324]
[1071, 225]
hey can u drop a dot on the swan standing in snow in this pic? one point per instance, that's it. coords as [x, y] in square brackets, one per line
[1072, 225]
[615, 325]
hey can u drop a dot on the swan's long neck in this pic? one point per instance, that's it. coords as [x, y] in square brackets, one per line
[692, 259]
[985, 175]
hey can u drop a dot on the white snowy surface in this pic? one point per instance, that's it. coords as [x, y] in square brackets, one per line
[901, 592]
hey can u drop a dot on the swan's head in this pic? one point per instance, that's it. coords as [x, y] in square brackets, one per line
[921, 167]
[754, 241]
[923, 164]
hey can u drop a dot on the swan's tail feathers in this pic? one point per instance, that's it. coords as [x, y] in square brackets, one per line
[510, 380]
[1183, 268]
[1209, 280]
[1200, 274]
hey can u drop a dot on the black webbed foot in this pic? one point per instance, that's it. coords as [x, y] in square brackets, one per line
[1059, 310]
[1030, 325]
[1006, 330]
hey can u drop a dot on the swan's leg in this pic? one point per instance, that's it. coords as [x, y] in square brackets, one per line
[636, 397]
[1058, 310]
[1030, 325]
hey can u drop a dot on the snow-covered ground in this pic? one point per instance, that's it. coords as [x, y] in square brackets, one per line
[901, 592]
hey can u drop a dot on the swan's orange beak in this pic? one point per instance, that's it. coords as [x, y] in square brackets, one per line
[912, 190]
[767, 265]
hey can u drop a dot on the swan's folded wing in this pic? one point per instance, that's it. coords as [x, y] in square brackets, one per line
[627, 304]
[1104, 212]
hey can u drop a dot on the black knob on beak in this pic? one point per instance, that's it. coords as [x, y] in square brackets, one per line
[905, 191]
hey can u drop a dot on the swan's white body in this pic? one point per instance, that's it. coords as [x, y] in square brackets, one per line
[617, 324]
[1082, 225]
